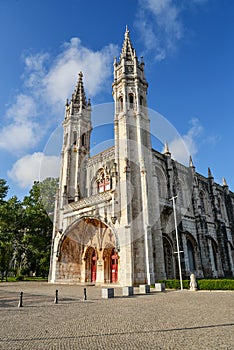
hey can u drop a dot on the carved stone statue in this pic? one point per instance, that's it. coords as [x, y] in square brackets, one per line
[193, 283]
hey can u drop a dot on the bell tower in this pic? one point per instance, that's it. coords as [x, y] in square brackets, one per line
[133, 155]
[76, 145]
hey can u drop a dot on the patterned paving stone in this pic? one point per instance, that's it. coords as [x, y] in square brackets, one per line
[171, 320]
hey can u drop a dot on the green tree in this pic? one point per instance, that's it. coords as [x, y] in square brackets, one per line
[48, 189]
[6, 254]
[10, 223]
[3, 189]
[36, 234]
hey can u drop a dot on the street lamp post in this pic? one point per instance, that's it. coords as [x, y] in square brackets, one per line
[177, 241]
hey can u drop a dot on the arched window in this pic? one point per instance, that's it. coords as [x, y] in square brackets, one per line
[74, 138]
[121, 104]
[168, 258]
[103, 181]
[131, 101]
[162, 183]
[191, 257]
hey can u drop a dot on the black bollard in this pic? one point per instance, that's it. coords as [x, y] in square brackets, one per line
[85, 294]
[21, 300]
[56, 297]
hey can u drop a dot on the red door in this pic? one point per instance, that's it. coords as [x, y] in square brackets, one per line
[94, 269]
[114, 268]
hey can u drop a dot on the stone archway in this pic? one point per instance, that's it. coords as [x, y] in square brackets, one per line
[111, 262]
[90, 265]
[82, 251]
[69, 261]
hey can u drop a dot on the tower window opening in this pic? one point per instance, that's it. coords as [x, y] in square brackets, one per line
[83, 140]
[141, 100]
[74, 137]
[121, 104]
[65, 139]
[131, 101]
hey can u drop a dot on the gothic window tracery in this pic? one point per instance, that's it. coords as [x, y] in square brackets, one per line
[103, 181]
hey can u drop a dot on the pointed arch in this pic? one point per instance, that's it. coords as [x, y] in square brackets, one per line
[120, 104]
[162, 183]
[192, 253]
[80, 249]
[169, 259]
[90, 264]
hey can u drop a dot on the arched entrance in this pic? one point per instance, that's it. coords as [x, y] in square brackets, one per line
[87, 253]
[90, 265]
[111, 265]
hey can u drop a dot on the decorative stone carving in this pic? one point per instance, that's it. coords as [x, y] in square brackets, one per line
[193, 283]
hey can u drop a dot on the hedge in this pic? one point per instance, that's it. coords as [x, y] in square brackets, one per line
[202, 284]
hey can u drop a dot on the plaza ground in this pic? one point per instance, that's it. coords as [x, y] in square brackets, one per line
[170, 320]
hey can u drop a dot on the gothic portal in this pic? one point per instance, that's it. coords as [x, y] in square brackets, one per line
[113, 218]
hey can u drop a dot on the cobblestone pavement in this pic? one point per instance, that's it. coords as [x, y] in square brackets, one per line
[170, 320]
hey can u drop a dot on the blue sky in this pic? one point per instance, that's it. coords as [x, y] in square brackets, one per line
[188, 49]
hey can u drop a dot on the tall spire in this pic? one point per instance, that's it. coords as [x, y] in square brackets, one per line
[78, 97]
[128, 51]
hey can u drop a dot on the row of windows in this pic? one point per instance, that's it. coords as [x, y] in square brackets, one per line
[131, 101]
[74, 139]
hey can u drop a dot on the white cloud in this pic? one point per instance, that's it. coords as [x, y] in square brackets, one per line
[161, 26]
[34, 167]
[181, 148]
[47, 82]
[22, 132]
[58, 82]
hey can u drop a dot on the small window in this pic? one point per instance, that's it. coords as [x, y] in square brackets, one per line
[141, 100]
[74, 137]
[65, 139]
[121, 104]
[83, 140]
[131, 101]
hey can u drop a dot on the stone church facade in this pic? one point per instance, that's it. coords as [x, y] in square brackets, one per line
[114, 220]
